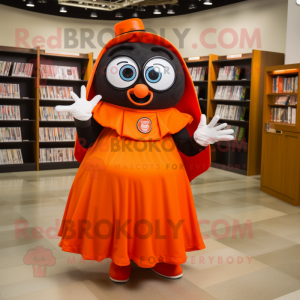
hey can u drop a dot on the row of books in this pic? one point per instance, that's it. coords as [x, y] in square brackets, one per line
[22, 69]
[197, 73]
[285, 84]
[231, 112]
[286, 115]
[230, 93]
[4, 68]
[50, 114]
[59, 72]
[9, 112]
[56, 155]
[19, 69]
[56, 92]
[10, 134]
[229, 73]
[286, 100]
[53, 134]
[11, 156]
[9, 90]
[239, 132]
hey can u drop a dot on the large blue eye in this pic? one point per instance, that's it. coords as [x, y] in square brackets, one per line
[127, 73]
[152, 75]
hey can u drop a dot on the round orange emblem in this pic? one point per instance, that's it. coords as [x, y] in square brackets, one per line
[144, 125]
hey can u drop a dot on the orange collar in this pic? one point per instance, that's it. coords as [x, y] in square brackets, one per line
[141, 124]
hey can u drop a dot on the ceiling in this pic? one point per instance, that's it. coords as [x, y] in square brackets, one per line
[107, 9]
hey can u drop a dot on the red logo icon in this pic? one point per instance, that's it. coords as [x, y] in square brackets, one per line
[144, 125]
[39, 258]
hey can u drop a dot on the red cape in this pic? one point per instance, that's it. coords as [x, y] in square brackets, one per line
[188, 104]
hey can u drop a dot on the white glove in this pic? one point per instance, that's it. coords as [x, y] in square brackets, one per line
[81, 109]
[208, 134]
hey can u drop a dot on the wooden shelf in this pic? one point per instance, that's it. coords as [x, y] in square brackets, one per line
[29, 107]
[56, 100]
[280, 175]
[282, 94]
[232, 81]
[233, 60]
[16, 77]
[18, 99]
[282, 105]
[238, 102]
[56, 142]
[18, 167]
[228, 168]
[17, 120]
[17, 142]
[202, 84]
[252, 69]
[57, 121]
[64, 80]
[59, 165]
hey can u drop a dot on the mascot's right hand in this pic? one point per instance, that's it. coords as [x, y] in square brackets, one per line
[82, 108]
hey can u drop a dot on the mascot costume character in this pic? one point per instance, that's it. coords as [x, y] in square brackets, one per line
[139, 147]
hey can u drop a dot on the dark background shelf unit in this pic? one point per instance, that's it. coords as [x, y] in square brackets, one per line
[84, 64]
[200, 62]
[59, 165]
[252, 70]
[29, 108]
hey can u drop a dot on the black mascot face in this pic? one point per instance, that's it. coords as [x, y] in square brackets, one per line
[140, 76]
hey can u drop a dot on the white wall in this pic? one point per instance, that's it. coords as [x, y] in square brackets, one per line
[267, 18]
[293, 33]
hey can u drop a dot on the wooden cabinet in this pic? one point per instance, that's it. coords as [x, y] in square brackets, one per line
[280, 172]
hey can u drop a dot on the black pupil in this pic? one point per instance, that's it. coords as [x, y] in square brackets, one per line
[127, 72]
[153, 75]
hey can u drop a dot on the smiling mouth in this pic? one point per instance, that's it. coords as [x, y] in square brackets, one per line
[139, 101]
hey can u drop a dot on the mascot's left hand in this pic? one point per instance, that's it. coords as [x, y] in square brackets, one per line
[209, 134]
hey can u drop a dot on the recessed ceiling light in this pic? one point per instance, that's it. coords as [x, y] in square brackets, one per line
[119, 15]
[63, 10]
[141, 8]
[192, 6]
[171, 11]
[42, 1]
[157, 11]
[135, 15]
[94, 15]
[30, 3]
[207, 2]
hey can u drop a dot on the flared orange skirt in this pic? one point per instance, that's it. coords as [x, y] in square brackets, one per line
[131, 200]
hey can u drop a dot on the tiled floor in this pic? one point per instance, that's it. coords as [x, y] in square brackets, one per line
[252, 240]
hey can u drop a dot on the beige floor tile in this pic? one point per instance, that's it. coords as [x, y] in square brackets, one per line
[257, 243]
[292, 296]
[226, 200]
[265, 284]
[145, 284]
[73, 291]
[257, 215]
[223, 272]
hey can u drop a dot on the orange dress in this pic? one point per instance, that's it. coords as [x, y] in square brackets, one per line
[131, 198]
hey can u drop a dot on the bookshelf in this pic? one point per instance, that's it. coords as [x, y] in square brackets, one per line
[201, 61]
[243, 157]
[29, 107]
[280, 169]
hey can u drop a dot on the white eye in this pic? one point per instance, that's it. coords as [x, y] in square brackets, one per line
[159, 73]
[122, 72]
